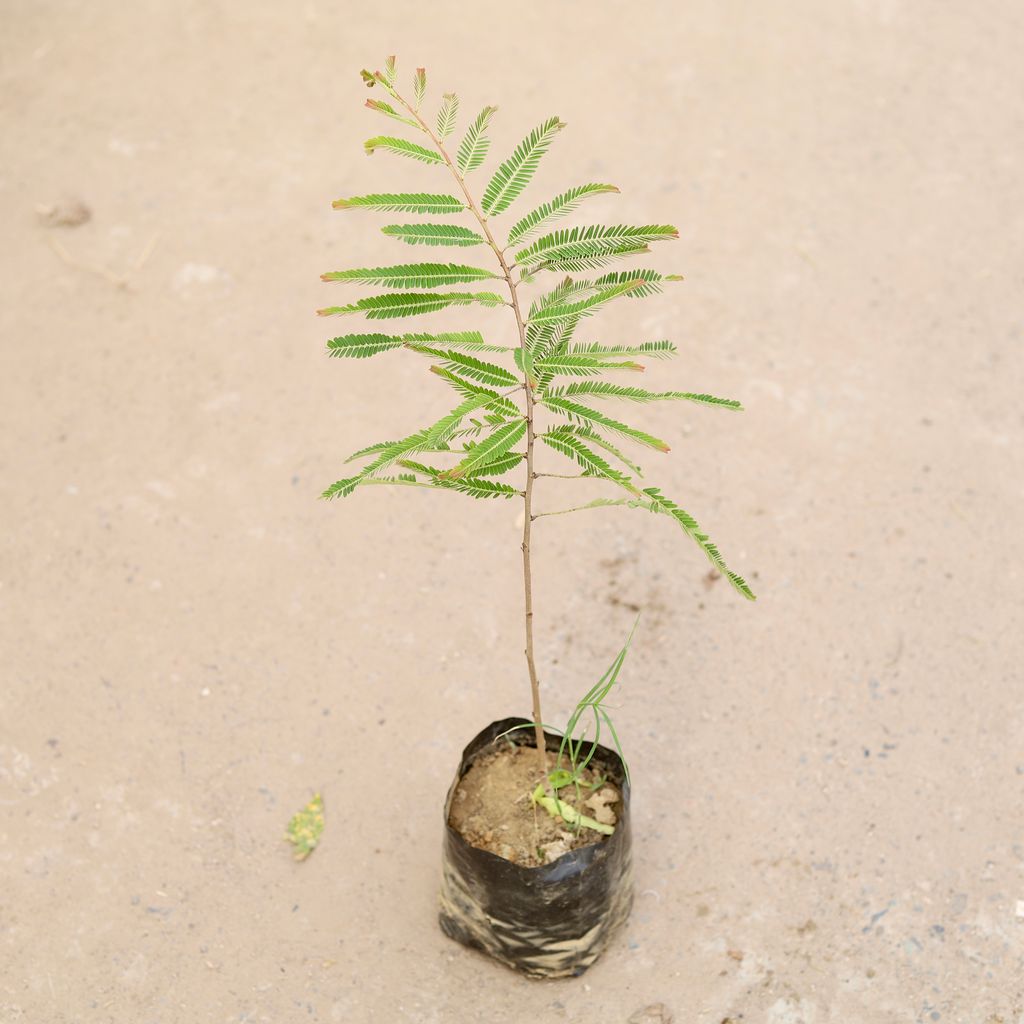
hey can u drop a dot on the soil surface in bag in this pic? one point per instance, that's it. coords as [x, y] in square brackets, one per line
[492, 809]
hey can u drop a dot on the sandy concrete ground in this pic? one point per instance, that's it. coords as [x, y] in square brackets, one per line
[829, 783]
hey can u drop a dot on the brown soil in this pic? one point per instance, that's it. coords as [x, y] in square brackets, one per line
[492, 809]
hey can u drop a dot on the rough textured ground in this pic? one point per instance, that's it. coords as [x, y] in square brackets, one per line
[192, 644]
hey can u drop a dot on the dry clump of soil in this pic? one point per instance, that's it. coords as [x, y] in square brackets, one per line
[492, 809]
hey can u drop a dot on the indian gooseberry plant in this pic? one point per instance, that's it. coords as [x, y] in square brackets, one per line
[549, 386]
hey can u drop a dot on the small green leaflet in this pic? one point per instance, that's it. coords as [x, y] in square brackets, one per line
[446, 118]
[489, 449]
[433, 234]
[403, 202]
[386, 307]
[515, 173]
[413, 275]
[403, 148]
[474, 145]
[557, 207]
[306, 827]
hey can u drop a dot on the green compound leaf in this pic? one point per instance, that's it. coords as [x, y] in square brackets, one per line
[557, 207]
[434, 234]
[592, 418]
[648, 282]
[591, 245]
[515, 173]
[488, 450]
[659, 503]
[403, 148]
[389, 111]
[306, 827]
[446, 117]
[650, 349]
[413, 275]
[475, 144]
[402, 202]
[387, 307]
[604, 389]
[419, 85]
[584, 307]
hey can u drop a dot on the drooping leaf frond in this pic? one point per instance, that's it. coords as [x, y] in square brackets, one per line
[584, 307]
[659, 503]
[419, 86]
[387, 307]
[567, 443]
[648, 349]
[362, 346]
[604, 389]
[413, 275]
[403, 202]
[515, 173]
[557, 207]
[591, 417]
[488, 450]
[434, 234]
[573, 365]
[650, 281]
[403, 148]
[594, 242]
[475, 144]
[446, 117]
[385, 108]
[477, 369]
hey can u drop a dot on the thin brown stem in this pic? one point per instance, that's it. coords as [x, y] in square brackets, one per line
[528, 518]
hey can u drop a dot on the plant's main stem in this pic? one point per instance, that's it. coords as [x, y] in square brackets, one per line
[528, 389]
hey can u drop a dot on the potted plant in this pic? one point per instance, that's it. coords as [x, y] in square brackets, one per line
[537, 856]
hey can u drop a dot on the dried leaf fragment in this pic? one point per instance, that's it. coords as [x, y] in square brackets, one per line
[305, 828]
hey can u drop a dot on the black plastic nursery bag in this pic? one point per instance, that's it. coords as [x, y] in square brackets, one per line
[551, 921]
